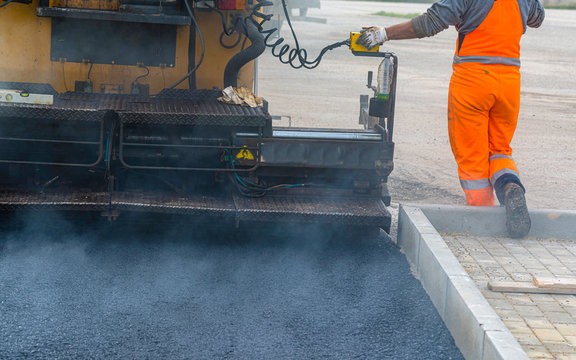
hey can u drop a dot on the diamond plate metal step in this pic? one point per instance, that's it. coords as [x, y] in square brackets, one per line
[195, 205]
[73, 201]
[362, 211]
[353, 211]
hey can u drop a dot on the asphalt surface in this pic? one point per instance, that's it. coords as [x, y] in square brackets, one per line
[71, 290]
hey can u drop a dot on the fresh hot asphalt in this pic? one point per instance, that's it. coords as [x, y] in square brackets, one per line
[132, 291]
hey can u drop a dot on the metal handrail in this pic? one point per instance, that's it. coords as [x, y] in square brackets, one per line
[98, 160]
[256, 149]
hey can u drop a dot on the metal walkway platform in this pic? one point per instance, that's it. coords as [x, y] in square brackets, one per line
[355, 211]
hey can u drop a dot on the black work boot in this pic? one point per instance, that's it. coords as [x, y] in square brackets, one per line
[517, 218]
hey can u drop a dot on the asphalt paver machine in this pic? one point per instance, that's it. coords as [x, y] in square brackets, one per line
[111, 106]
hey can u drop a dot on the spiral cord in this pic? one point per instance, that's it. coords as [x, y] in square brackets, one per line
[296, 57]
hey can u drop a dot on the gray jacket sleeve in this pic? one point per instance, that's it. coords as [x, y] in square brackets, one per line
[535, 14]
[468, 15]
[439, 17]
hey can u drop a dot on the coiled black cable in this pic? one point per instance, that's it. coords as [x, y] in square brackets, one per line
[233, 45]
[296, 57]
[227, 31]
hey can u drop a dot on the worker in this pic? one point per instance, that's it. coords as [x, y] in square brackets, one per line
[484, 95]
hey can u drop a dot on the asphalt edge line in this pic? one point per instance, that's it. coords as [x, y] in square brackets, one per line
[477, 330]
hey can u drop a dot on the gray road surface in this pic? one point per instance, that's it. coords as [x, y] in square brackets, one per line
[133, 292]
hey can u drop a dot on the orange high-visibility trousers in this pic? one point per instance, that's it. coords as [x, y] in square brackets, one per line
[483, 105]
[484, 100]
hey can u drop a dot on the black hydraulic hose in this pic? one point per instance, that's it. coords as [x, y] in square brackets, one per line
[6, 3]
[245, 56]
[187, 76]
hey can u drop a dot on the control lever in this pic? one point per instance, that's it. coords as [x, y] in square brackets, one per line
[369, 85]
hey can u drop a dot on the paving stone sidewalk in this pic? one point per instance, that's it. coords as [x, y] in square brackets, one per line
[545, 325]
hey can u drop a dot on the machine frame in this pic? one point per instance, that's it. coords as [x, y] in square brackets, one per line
[115, 144]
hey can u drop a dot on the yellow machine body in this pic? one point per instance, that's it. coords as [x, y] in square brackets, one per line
[25, 50]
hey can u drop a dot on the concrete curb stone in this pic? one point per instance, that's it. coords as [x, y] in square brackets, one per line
[478, 331]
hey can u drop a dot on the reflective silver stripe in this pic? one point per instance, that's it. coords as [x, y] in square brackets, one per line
[475, 184]
[487, 60]
[499, 173]
[500, 156]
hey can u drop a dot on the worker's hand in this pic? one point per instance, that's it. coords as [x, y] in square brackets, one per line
[372, 36]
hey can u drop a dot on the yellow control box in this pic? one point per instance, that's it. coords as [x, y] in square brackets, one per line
[357, 47]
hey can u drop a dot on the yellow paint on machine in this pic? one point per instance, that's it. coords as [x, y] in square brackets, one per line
[25, 53]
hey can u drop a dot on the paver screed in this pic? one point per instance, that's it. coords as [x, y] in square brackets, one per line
[543, 324]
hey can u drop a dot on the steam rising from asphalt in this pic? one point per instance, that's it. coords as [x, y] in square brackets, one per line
[136, 291]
